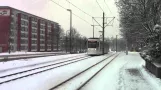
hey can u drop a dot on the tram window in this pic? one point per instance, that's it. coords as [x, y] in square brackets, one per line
[93, 44]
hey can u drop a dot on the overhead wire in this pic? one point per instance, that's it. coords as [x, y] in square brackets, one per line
[99, 6]
[110, 10]
[79, 8]
[81, 18]
[107, 6]
[72, 12]
[58, 4]
[82, 11]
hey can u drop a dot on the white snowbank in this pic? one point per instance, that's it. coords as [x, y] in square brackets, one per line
[48, 79]
[23, 52]
[24, 62]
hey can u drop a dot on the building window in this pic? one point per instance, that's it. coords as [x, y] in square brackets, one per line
[26, 17]
[22, 28]
[34, 30]
[12, 26]
[12, 33]
[34, 36]
[42, 26]
[26, 29]
[42, 42]
[42, 37]
[34, 19]
[22, 16]
[34, 25]
[25, 23]
[11, 40]
[24, 35]
[33, 47]
[23, 48]
[12, 19]
[33, 42]
[22, 22]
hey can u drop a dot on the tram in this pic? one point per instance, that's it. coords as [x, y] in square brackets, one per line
[95, 46]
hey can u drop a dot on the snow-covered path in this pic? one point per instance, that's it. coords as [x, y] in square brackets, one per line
[130, 75]
[126, 72]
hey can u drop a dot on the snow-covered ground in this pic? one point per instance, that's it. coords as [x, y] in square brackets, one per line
[126, 72]
[48, 79]
[24, 53]
[4, 66]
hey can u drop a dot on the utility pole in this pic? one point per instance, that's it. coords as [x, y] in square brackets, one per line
[103, 27]
[66, 44]
[70, 29]
[126, 48]
[126, 44]
[57, 45]
[116, 43]
[103, 33]
[67, 41]
[93, 30]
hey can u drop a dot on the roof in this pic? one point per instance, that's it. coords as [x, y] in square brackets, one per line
[28, 13]
[93, 38]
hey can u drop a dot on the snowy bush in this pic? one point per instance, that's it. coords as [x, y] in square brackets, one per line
[154, 45]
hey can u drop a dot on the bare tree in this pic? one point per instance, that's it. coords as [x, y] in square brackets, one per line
[78, 41]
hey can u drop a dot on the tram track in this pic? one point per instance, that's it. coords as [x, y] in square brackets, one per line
[4, 58]
[80, 87]
[40, 63]
[86, 70]
[8, 78]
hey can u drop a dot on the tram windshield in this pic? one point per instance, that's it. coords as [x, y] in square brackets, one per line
[92, 44]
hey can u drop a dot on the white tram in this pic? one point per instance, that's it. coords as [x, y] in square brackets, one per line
[94, 46]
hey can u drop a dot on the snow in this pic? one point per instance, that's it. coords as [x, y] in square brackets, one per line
[4, 66]
[75, 83]
[126, 72]
[48, 79]
[156, 82]
[25, 53]
[108, 77]
[157, 64]
[30, 72]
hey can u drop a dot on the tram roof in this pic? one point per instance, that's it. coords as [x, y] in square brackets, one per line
[93, 38]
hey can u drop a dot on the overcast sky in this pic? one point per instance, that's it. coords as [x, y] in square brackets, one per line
[51, 11]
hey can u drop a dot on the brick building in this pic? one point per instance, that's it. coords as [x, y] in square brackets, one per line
[21, 31]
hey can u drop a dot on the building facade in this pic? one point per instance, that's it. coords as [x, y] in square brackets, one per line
[21, 31]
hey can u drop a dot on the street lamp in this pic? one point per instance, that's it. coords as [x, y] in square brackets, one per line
[81, 43]
[93, 30]
[70, 27]
[66, 40]
[116, 43]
